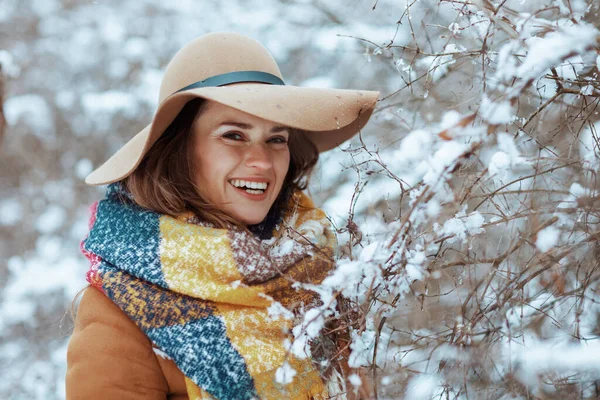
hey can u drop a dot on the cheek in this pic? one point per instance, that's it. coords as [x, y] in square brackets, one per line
[206, 172]
[214, 164]
[283, 164]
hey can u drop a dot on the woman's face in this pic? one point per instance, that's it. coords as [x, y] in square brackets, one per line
[242, 161]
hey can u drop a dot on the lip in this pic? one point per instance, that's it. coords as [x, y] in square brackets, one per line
[255, 179]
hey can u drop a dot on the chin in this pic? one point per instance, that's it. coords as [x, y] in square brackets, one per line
[251, 218]
[253, 221]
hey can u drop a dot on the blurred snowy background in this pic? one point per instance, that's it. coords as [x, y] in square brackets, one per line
[468, 213]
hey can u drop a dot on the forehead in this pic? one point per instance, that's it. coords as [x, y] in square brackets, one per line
[216, 114]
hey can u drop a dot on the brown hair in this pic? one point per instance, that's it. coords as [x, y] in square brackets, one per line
[163, 182]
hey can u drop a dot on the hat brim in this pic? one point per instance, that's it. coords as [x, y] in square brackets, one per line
[328, 116]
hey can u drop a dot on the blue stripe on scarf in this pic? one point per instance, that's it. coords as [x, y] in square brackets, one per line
[128, 236]
[211, 362]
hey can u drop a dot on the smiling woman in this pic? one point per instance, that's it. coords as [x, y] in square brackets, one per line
[178, 173]
[242, 161]
[205, 232]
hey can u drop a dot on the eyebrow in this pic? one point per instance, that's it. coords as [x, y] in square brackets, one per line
[243, 125]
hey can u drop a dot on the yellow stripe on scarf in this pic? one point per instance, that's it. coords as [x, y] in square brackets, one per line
[259, 340]
[208, 271]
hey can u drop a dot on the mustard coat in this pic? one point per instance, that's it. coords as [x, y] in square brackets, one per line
[109, 357]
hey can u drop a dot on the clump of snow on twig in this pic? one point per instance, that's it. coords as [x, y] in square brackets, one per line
[285, 374]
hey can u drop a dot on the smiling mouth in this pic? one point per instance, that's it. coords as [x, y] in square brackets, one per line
[249, 187]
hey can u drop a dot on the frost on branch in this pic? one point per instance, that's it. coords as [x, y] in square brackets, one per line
[285, 374]
[479, 211]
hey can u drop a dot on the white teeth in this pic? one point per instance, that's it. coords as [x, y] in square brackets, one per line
[254, 191]
[252, 185]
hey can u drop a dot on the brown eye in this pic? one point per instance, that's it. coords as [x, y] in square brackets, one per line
[233, 136]
[278, 140]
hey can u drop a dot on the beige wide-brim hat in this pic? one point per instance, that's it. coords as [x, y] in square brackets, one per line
[239, 72]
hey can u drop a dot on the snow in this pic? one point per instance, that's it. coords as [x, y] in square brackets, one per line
[43, 7]
[51, 219]
[352, 277]
[368, 253]
[109, 102]
[422, 387]
[433, 208]
[578, 191]
[362, 349]
[547, 238]
[49, 246]
[546, 52]
[454, 27]
[588, 145]
[33, 110]
[7, 62]
[414, 272]
[6, 11]
[560, 48]
[112, 30]
[161, 353]
[277, 311]
[450, 119]
[11, 211]
[79, 43]
[118, 68]
[69, 278]
[83, 168]
[285, 374]
[65, 99]
[587, 90]
[410, 155]
[442, 160]
[496, 113]
[438, 65]
[480, 22]
[19, 299]
[500, 162]
[283, 248]
[460, 226]
[310, 328]
[570, 68]
[414, 265]
[325, 82]
[355, 380]
[508, 158]
[573, 8]
[80, 227]
[14, 312]
[135, 49]
[149, 86]
[474, 223]
[538, 357]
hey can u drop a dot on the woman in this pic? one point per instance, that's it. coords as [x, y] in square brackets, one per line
[201, 246]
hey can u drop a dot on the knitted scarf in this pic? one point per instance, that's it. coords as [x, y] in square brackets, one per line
[211, 299]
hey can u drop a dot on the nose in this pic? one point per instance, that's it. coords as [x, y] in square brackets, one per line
[258, 156]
